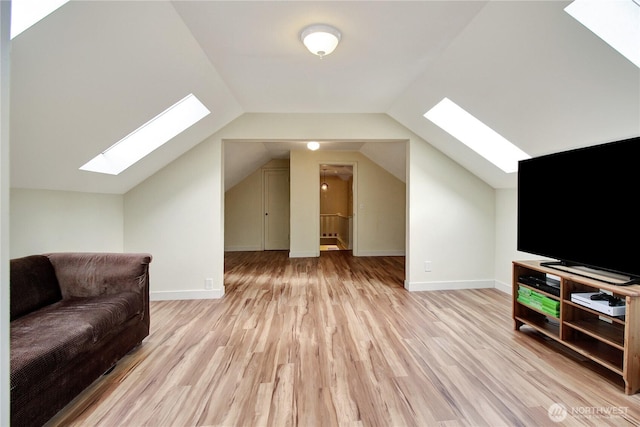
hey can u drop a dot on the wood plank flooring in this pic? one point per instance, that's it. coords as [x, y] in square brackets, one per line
[337, 341]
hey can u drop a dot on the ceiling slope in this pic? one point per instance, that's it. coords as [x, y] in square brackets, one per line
[91, 73]
[242, 158]
[533, 74]
[385, 45]
[94, 71]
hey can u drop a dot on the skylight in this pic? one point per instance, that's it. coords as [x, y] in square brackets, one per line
[25, 13]
[148, 137]
[617, 22]
[476, 135]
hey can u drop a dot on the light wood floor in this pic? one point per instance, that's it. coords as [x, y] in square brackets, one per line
[338, 341]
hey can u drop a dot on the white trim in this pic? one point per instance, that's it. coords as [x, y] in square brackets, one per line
[186, 295]
[243, 249]
[304, 254]
[393, 252]
[507, 289]
[443, 286]
[5, 255]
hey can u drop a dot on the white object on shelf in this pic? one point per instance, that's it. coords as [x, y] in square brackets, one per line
[601, 306]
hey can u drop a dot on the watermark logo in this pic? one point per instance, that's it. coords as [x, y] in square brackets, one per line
[557, 412]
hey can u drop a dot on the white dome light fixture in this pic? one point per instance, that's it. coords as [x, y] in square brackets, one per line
[320, 39]
[313, 145]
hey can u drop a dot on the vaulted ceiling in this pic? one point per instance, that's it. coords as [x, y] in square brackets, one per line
[93, 71]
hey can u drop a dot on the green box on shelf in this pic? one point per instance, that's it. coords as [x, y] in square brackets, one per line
[538, 301]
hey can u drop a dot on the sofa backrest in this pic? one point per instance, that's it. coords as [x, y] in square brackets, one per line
[33, 285]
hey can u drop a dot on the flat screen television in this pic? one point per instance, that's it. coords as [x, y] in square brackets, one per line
[580, 207]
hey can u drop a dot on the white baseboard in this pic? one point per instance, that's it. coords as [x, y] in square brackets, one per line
[243, 249]
[360, 253]
[398, 252]
[183, 295]
[443, 286]
[507, 289]
[303, 254]
[412, 287]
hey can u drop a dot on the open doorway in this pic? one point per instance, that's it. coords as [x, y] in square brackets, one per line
[336, 207]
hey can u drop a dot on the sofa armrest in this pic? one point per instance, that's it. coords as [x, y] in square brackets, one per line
[92, 274]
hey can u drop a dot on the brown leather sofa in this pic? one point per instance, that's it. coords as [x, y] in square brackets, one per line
[73, 316]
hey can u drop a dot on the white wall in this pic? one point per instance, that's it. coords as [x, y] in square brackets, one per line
[177, 216]
[451, 223]
[305, 206]
[380, 211]
[5, 14]
[379, 197]
[243, 210]
[60, 221]
[243, 215]
[507, 238]
[178, 213]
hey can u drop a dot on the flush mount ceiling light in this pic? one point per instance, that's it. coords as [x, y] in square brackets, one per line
[320, 39]
[313, 145]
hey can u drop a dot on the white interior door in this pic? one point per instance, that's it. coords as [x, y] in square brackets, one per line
[276, 209]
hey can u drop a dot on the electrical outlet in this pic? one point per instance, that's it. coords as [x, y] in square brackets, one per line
[208, 284]
[427, 266]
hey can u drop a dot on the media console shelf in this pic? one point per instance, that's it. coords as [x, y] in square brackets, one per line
[613, 342]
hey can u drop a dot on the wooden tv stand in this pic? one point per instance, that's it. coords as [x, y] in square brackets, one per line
[613, 342]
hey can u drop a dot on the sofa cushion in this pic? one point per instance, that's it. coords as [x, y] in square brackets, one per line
[33, 285]
[44, 341]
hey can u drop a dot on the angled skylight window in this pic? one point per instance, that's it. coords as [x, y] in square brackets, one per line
[617, 22]
[476, 135]
[148, 137]
[25, 13]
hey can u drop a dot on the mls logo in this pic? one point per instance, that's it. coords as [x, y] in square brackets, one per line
[557, 412]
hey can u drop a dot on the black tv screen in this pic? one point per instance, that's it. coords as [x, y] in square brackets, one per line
[581, 206]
